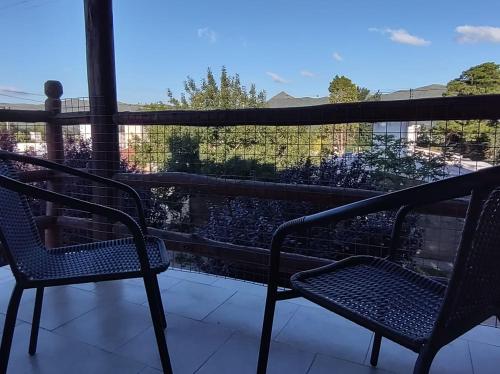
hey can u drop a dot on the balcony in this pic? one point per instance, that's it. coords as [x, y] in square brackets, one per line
[216, 184]
[214, 327]
[214, 316]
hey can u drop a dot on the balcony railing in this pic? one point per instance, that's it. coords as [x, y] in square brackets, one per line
[217, 183]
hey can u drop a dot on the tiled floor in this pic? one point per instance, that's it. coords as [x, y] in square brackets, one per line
[214, 327]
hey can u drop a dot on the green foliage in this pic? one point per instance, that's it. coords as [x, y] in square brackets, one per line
[184, 153]
[280, 146]
[236, 167]
[343, 90]
[8, 140]
[349, 137]
[228, 93]
[374, 97]
[157, 106]
[162, 146]
[22, 137]
[478, 80]
[393, 166]
[363, 93]
[476, 136]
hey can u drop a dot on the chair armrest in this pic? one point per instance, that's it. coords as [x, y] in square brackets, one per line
[413, 197]
[114, 214]
[82, 174]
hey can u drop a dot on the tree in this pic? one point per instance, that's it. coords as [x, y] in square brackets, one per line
[350, 136]
[475, 136]
[161, 146]
[220, 145]
[8, 141]
[343, 90]
[477, 80]
[391, 166]
[228, 93]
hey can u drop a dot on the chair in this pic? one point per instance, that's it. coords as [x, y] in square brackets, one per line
[415, 311]
[35, 266]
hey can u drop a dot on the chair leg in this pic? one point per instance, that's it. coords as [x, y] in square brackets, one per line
[36, 320]
[375, 349]
[424, 360]
[154, 309]
[267, 328]
[8, 330]
[158, 296]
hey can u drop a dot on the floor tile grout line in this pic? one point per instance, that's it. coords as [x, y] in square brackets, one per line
[497, 345]
[215, 351]
[218, 306]
[100, 305]
[74, 339]
[142, 369]
[65, 323]
[470, 357]
[187, 281]
[150, 325]
[84, 314]
[329, 355]
[368, 351]
[312, 363]
[356, 363]
[285, 324]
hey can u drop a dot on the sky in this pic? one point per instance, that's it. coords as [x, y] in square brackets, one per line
[280, 45]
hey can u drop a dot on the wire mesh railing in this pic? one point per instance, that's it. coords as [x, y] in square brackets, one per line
[345, 156]
[217, 193]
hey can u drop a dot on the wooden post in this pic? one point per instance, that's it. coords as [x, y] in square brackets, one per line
[55, 152]
[103, 103]
[102, 86]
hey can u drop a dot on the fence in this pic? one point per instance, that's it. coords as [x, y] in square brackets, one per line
[217, 183]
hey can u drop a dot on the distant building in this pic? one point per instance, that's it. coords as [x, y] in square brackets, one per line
[69, 105]
[126, 133]
[407, 130]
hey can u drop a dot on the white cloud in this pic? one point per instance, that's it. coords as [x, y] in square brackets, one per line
[207, 34]
[476, 34]
[276, 78]
[402, 36]
[307, 73]
[337, 57]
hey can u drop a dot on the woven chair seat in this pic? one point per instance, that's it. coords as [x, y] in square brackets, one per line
[376, 293]
[108, 259]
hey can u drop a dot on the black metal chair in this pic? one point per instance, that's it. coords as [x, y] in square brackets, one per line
[34, 266]
[413, 310]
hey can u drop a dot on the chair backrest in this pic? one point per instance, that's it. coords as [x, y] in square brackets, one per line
[18, 232]
[474, 290]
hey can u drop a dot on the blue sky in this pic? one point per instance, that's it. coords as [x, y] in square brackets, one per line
[295, 46]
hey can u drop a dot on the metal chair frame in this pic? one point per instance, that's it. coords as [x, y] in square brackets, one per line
[138, 231]
[447, 326]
